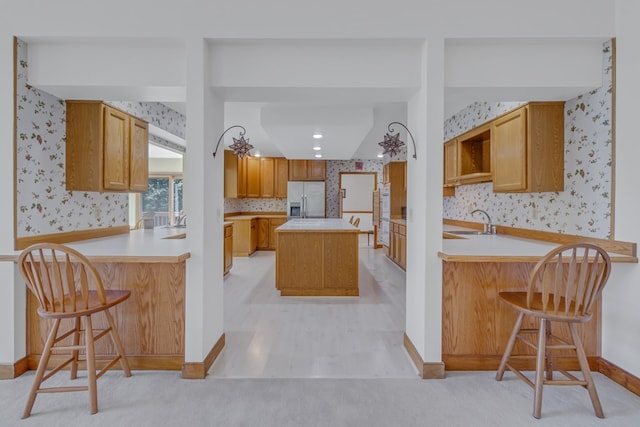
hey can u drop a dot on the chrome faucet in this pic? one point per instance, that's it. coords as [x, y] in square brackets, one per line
[488, 227]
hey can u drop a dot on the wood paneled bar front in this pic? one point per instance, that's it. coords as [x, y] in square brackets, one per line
[476, 324]
[317, 257]
[152, 265]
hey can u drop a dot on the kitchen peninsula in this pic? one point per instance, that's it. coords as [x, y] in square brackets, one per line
[317, 257]
[476, 268]
[152, 265]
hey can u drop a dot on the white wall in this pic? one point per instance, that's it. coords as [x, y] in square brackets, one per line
[621, 317]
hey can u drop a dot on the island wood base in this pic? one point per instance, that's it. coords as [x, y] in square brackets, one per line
[317, 263]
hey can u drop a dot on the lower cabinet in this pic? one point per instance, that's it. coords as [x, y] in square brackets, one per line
[253, 232]
[267, 232]
[228, 247]
[398, 243]
[245, 232]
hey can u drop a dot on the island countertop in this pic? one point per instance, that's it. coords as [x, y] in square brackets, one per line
[318, 224]
[148, 246]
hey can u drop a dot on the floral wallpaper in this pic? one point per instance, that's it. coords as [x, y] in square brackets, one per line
[334, 167]
[584, 207]
[43, 204]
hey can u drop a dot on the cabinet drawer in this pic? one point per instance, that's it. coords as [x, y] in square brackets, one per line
[228, 230]
[402, 229]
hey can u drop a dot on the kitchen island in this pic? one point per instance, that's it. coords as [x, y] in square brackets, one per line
[317, 257]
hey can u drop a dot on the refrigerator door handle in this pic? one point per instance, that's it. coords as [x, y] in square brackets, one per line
[306, 207]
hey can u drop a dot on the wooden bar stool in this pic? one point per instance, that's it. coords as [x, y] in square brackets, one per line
[67, 286]
[563, 287]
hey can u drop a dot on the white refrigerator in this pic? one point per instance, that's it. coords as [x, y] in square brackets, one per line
[305, 199]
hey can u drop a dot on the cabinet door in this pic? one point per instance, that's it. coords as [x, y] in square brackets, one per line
[116, 150]
[297, 170]
[450, 162]
[242, 177]
[139, 156]
[316, 170]
[281, 177]
[253, 177]
[228, 248]
[273, 224]
[263, 233]
[254, 235]
[267, 177]
[509, 152]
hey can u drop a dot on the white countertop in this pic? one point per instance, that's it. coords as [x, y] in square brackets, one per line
[135, 246]
[318, 224]
[498, 247]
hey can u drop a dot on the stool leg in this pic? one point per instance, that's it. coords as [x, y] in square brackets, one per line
[76, 353]
[115, 338]
[42, 367]
[584, 366]
[91, 364]
[509, 348]
[540, 368]
[547, 355]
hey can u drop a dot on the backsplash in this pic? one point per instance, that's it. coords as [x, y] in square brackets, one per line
[255, 205]
[43, 204]
[584, 207]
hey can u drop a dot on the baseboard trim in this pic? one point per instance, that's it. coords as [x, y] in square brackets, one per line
[426, 370]
[474, 362]
[136, 363]
[10, 371]
[619, 375]
[198, 370]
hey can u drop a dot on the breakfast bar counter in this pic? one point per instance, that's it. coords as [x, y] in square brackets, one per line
[317, 257]
[152, 265]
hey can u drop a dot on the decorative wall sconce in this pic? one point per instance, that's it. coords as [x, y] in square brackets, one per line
[240, 147]
[392, 143]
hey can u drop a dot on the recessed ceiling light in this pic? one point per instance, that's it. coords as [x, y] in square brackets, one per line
[257, 154]
[317, 148]
[318, 155]
[317, 135]
[381, 155]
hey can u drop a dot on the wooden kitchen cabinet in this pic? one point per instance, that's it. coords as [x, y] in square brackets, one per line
[106, 149]
[467, 158]
[396, 178]
[228, 247]
[307, 170]
[528, 149]
[263, 233]
[267, 177]
[398, 243]
[235, 176]
[281, 177]
[253, 176]
[266, 232]
[245, 235]
[451, 163]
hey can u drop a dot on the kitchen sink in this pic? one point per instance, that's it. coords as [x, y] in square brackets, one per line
[465, 232]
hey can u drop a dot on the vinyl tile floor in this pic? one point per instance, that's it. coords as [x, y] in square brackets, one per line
[269, 336]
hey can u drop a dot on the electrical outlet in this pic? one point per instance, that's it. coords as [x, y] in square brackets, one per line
[97, 212]
[534, 211]
[470, 209]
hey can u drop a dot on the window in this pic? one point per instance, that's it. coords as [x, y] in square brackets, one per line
[164, 200]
